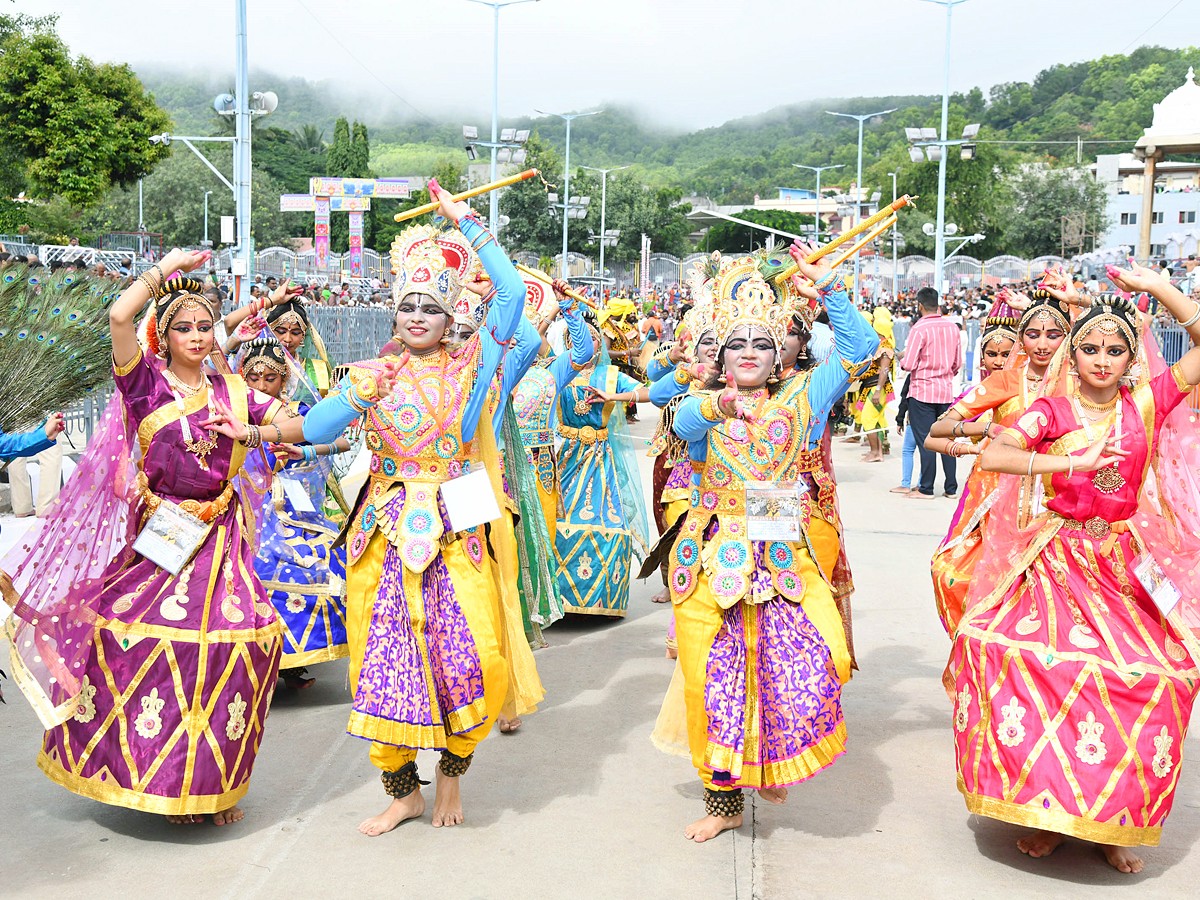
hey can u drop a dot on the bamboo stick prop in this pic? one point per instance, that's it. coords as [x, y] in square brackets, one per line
[467, 195]
[888, 211]
[546, 279]
[849, 254]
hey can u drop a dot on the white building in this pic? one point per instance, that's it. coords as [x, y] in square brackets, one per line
[1175, 221]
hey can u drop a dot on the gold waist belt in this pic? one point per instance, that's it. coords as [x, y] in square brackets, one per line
[204, 510]
[1095, 527]
[585, 435]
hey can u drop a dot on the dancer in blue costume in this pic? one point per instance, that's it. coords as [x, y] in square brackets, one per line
[302, 572]
[604, 512]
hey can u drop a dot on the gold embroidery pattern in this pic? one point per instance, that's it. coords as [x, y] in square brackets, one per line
[85, 707]
[1161, 764]
[963, 714]
[236, 726]
[1090, 747]
[148, 724]
[1011, 732]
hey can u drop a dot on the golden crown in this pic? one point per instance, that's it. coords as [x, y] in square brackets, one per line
[742, 296]
[430, 261]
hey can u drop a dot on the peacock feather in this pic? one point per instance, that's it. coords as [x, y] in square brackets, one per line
[55, 346]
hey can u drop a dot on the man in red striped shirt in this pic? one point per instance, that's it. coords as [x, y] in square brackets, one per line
[933, 354]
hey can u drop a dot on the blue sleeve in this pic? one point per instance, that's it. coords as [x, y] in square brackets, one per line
[625, 384]
[659, 368]
[522, 354]
[690, 423]
[505, 314]
[27, 443]
[326, 421]
[664, 390]
[855, 343]
[564, 367]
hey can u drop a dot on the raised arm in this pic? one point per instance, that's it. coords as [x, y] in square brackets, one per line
[122, 317]
[1185, 310]
[583, 348]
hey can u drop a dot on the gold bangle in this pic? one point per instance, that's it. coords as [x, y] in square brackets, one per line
[1194, 319]
[710, 410]
[1032, 457]
[1070, 466]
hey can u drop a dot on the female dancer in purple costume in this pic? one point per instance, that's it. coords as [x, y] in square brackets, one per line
[162, 682]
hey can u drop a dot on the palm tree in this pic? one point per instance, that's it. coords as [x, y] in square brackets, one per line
[310, 138]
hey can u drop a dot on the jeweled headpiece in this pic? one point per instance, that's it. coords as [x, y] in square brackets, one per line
[177, 294]
[1115, 316]
[743, 297]
[1001, 323]
[1044, 306]
[538, 297]
[702, 277]
[773, 263]
[264, 354]
[289, 314]
[697, 322]
[430, 261]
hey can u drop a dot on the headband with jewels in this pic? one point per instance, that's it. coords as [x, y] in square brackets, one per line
[697, 322]
[430, 261]
[1044, 306]
[178, 293]
[1115, 316]
[290, 313]
[1001, 323]
[263, 353]
[703, 275]
[743, 297]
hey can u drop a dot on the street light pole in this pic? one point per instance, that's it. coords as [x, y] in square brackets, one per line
[241, 143]
[603, 201]
[818, 170]
[939, 261]
[206, 193]
[568, 118]
[858, 189]
[494, 200]
[893, 174]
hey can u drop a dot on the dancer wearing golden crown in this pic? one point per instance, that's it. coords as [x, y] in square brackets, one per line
[422, 583]
[762, 648]
[1073, 670]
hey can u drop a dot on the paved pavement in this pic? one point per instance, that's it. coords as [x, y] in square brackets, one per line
[579, 804]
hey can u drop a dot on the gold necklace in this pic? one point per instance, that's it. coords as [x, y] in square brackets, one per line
[1104, 408]
[184, 388]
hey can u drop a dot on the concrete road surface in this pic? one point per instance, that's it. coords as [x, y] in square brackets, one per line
[579, 805]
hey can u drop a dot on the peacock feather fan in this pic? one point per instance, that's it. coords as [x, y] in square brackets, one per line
[55, 346]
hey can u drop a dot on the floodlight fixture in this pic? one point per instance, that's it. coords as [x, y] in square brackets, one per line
[522, 136]
[970, 131]
[508, 134]
[470, 132]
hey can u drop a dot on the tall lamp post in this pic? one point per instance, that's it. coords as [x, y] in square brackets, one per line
[939, 261]
[206, 241]
[894, 241]
[496, 5]
[566, 196]
[858, 189]
[818, 170]
[603, 202]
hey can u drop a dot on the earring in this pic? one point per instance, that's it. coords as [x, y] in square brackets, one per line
[721, 378]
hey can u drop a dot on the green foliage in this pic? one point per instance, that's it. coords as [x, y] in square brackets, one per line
[530, 226]
[349, 156]
[1038, 198]
[732, 237]
[449, 174]
[72, 127]
[173, 202]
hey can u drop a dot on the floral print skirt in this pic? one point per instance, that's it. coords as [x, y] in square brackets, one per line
[1072, 697]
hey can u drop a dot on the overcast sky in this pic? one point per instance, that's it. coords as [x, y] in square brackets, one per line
[689, 64]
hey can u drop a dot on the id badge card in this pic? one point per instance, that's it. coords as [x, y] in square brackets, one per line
[170, 537]
[773, 510]
[470, 500]
[297, 494]
[1158, 585]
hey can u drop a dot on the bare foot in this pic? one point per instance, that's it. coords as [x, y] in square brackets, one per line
[1040, 843]
[185, 820]
[873, 458]
[672, 653]
[774, 794]
[228, 816]
[508, 726]
[1123, 859]
[900, 490]
[447, 805]
[663, 596]
[399, 810]
[710, 826]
